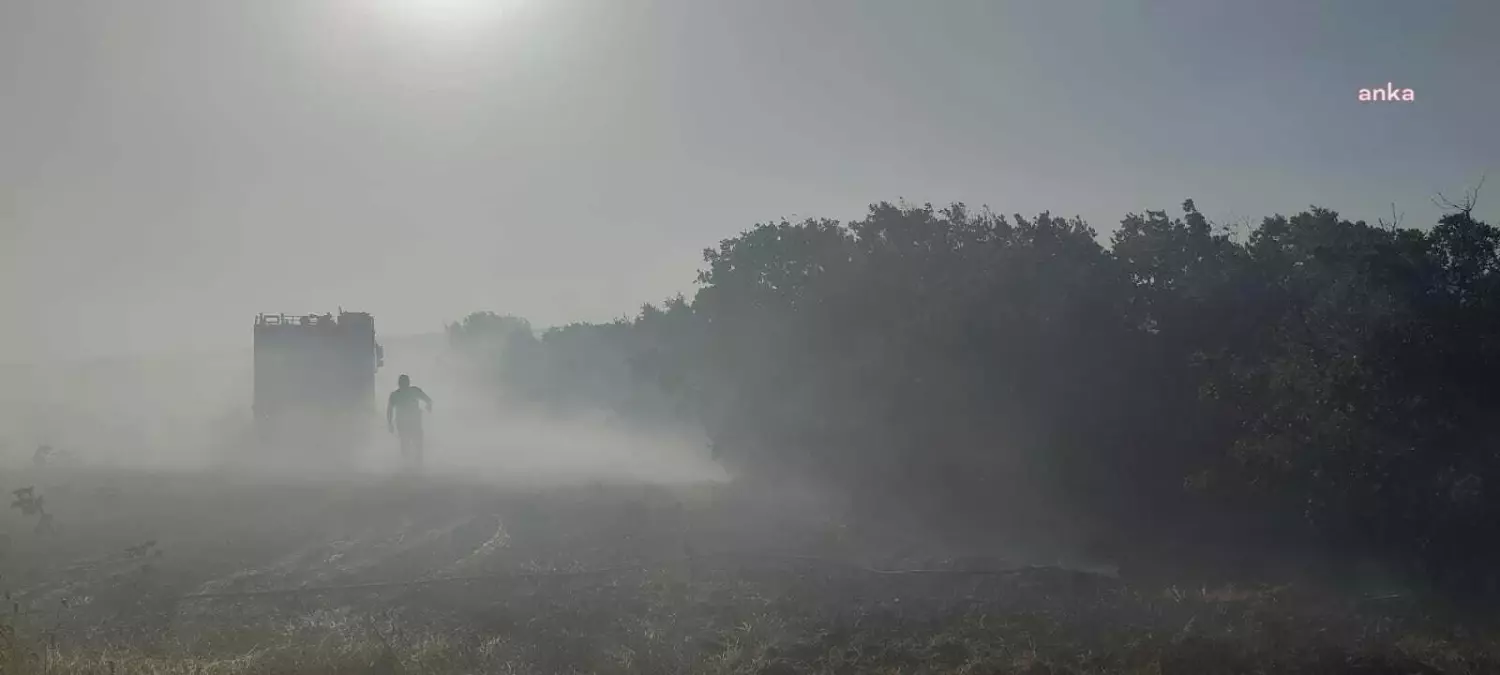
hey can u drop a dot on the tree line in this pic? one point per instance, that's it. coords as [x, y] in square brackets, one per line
[1308, 379]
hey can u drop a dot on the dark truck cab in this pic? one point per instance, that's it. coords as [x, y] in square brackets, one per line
[315, 379]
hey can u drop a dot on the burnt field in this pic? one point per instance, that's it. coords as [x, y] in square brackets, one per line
[194, 573]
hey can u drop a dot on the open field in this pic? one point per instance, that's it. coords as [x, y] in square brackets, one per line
[193, 573]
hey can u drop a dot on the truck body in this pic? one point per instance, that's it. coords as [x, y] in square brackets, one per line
[315, 377]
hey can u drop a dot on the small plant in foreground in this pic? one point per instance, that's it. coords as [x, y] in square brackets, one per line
[29, 503]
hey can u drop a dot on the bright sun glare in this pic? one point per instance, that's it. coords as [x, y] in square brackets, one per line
[446, 18]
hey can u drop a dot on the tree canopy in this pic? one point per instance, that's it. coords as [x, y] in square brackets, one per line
[1314, 377]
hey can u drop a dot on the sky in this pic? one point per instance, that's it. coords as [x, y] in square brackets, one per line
[170, 168]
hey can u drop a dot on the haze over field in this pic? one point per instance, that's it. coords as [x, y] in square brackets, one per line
[192, 412]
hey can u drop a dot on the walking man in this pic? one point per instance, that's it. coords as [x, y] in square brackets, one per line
[403, 417]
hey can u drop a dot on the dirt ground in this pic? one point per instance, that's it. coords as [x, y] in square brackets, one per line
[205, 573]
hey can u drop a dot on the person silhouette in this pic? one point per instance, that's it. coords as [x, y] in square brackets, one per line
[403, 417]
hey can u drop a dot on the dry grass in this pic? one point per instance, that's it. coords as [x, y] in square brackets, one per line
[92, 597]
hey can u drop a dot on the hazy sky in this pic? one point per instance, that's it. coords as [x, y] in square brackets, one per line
[168, 168]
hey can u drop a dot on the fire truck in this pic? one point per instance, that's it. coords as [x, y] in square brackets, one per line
[315, 379]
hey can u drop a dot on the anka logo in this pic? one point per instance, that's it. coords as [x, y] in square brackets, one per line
[1389, 93]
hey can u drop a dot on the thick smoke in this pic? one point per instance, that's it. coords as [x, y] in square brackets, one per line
[178, 411]
[192, 412]
[477, 431]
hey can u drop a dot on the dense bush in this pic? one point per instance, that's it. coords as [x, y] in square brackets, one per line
[1314, 376]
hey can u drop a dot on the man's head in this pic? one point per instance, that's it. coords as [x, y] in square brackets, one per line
[403, 382]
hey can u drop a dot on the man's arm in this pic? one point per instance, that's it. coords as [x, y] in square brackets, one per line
[426, 399]
[390, 409]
